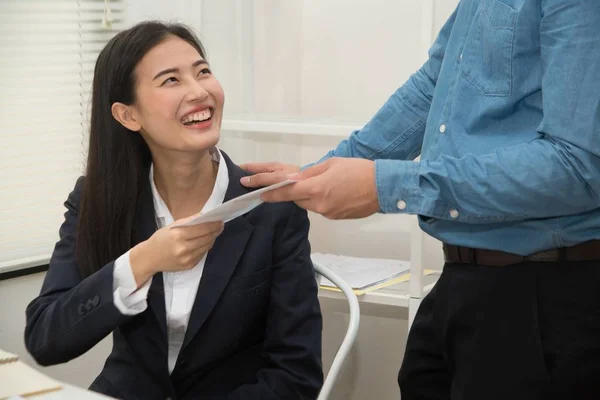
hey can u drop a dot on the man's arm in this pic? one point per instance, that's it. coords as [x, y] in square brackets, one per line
[557, 174]
[396, 131]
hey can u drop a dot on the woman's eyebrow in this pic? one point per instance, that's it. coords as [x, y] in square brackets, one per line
[172, 70]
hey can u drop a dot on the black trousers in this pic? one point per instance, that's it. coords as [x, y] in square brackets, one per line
[522, 332]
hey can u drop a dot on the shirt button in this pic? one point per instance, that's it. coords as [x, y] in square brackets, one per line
[401, 205]
[453, 214]
[442, 128]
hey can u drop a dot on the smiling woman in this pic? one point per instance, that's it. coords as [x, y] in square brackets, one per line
[176, 91]
[219, 310]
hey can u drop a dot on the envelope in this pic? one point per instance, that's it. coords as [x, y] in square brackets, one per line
[233, 208]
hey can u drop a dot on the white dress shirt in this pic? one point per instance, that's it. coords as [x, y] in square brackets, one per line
[180, 287]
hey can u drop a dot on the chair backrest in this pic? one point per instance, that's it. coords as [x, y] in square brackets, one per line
[351, 333]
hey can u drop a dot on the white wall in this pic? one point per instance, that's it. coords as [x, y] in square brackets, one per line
[306, 59]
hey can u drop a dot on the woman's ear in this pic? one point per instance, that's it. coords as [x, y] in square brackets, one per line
[126, 116]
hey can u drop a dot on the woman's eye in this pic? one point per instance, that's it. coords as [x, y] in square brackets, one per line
[204, 71]
[169, 80]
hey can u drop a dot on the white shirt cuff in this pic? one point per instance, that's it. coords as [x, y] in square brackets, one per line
[128, 299]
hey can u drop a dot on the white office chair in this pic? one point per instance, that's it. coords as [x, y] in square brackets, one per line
[351, 333]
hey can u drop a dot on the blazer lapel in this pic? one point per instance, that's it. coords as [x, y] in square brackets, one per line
[222, 259]
[144, 228]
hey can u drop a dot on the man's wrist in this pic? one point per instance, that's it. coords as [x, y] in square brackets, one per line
[374, 203]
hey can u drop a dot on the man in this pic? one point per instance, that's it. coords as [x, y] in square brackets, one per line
[506, 117]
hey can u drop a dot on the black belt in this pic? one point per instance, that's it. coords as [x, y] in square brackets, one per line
[587, 251]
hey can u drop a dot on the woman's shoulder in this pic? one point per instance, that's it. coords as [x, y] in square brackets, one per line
[283, 219]
[74, 196]
[277, 215]
[78, 187]
[79, 184]
[265, 213]
[282, 211]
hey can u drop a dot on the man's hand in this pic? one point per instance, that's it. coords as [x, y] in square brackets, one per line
[339, 188]
[267, 174]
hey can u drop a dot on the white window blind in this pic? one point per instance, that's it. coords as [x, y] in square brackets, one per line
[48, 52]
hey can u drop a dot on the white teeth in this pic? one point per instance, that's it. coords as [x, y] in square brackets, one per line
[198, 117]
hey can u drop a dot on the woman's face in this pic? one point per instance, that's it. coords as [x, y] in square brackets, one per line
[179, 102]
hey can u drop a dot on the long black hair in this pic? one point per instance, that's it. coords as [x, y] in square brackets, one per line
[118, 159]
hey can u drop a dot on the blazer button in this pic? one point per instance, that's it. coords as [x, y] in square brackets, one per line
[81, 309]
[96, 300]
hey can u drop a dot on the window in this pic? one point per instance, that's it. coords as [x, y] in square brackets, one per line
[49, 48]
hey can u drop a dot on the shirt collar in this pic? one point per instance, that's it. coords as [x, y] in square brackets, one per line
[216, 198]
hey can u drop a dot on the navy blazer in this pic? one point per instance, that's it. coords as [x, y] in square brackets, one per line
[254, 330]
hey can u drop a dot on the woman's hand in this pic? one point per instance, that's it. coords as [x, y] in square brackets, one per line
[173, 249]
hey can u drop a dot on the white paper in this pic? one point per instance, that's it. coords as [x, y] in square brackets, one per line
[6, 357]
[234, 207]
[360, 273]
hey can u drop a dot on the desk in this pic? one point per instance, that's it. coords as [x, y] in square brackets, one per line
[69, 392]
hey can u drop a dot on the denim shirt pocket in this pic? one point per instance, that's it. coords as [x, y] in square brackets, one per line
[488, 53]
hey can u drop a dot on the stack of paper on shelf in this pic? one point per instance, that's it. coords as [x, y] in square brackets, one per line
[362, 274]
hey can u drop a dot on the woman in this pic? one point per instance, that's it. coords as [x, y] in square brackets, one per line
[204, 311]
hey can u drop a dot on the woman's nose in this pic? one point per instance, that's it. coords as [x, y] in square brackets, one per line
[196, 92]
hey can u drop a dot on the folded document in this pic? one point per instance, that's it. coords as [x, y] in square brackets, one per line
[233, 208]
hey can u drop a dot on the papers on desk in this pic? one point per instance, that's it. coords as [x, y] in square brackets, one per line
[19, 379]
[233, 208]
[6, 357]
[362, 274]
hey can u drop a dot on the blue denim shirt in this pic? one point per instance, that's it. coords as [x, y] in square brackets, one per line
[505, 115]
